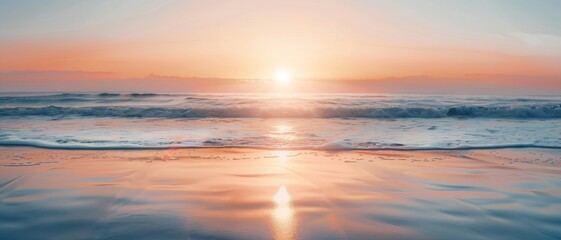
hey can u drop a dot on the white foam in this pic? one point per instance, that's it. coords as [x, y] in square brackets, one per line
[328, 134]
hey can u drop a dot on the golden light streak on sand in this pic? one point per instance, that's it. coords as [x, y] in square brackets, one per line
[284, 227]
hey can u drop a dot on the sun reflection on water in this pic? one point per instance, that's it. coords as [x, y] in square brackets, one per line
[283, 132]
[282, 216]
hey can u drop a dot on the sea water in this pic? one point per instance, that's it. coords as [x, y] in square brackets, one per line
[278, 121]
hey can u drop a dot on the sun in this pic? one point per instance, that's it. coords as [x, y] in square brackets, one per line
[283, 77]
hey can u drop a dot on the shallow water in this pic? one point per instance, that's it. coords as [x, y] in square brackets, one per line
[263, 194]
[370, 134]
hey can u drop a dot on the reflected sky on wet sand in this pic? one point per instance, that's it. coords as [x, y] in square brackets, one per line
[261, 194]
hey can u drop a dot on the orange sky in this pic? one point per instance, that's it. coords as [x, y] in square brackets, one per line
[328, 40]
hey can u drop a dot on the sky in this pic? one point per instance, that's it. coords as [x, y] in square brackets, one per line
[511, 46]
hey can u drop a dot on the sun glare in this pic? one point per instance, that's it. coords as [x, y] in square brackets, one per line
[283, 77]
[281, 197]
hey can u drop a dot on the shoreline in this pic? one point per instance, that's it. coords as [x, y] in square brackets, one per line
[319, 148]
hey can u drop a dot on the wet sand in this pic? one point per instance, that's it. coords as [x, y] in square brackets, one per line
[263, 194]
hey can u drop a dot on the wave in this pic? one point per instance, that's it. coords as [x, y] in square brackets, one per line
[526, 112]
[143, 94]
[109, 94]
[72, 97]
[59, 98]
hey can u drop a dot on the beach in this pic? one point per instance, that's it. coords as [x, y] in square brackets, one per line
[236, 193]
[296, 166]
[280, 120]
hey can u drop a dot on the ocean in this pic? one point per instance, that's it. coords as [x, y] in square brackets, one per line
[283, 167]
[297, 121]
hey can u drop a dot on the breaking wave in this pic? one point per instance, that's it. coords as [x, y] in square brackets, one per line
[533, 111]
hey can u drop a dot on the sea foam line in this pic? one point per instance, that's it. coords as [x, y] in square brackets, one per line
[327, 147]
